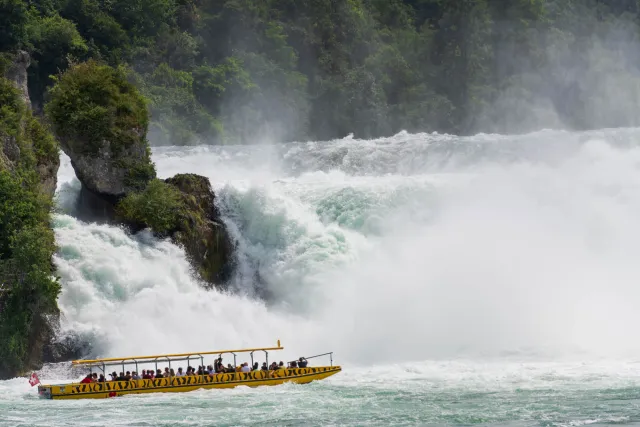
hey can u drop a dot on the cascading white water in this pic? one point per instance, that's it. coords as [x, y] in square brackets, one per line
[488, 279]
[400, 248]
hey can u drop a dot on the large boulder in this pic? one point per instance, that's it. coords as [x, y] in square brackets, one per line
[101, 122]
[183, 208]
[200, 230]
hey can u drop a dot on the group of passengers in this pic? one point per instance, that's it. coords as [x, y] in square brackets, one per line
[217, 368]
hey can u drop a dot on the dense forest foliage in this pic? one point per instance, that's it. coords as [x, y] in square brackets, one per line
[224, 71]
[242, 71]
[28, 289]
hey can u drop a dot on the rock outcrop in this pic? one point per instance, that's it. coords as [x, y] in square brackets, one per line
[200, 230]
[30, 134]
[17, 73]
[101, 122]
[29, 163]
[112, 174]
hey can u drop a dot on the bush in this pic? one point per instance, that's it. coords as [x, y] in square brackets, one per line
[91, 103]
[158, 207]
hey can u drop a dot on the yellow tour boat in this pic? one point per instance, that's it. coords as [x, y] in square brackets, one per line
[177, 384]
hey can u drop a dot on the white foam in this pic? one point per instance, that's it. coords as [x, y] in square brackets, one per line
[399, 248]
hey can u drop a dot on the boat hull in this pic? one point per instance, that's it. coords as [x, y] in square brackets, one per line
[186, 383]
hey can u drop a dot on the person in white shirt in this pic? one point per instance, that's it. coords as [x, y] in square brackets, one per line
[245, 367]
[180, 373]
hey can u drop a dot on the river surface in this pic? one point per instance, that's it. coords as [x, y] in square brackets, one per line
[488, 280]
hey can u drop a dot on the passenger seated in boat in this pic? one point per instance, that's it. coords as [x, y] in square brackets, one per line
[302, 362]
[180, 373]
[94, 377]
[293, 364]
[281, 365]
[166, 372]
[172, 373]
[135, 376]
[245, 367]
[159, 374]
[121, 377]
[256, 367]
[146, 375]
[87, 379]
[113, 376]
[210, 370]
[200, 371]
[264, 366]
[101, 379]
[127, 377]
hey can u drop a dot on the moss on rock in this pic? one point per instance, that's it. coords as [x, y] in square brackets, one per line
[183, 207]
[200, 230]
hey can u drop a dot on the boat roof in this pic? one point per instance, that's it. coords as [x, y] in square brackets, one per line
[166, 357]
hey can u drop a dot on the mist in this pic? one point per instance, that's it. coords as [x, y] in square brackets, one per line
[499, 245]
[583, 74]
[261, 75]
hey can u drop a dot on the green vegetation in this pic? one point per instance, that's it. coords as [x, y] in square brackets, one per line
[91, 103]
[29, 290]
[236, 70]
[158, 206]
[183, 208]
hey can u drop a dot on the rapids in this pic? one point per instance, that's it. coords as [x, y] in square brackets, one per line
[483, 279]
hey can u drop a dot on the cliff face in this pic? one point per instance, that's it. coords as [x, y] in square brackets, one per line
[15, 73]
[29, 163]
[31, 133]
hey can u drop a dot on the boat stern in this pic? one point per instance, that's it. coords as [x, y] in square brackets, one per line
[44, 392]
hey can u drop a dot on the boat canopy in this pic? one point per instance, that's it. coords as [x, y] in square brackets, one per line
[168, 358]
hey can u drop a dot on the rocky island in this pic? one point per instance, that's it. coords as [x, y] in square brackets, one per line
[101, 121]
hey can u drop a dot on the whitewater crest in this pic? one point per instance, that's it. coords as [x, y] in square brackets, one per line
[486, 245]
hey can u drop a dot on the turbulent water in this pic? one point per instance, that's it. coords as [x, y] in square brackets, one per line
[480, 280]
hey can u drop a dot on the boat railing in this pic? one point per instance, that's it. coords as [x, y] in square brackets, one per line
[168, 359]
[330, 354]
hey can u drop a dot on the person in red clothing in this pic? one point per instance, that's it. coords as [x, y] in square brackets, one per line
[87, 379]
